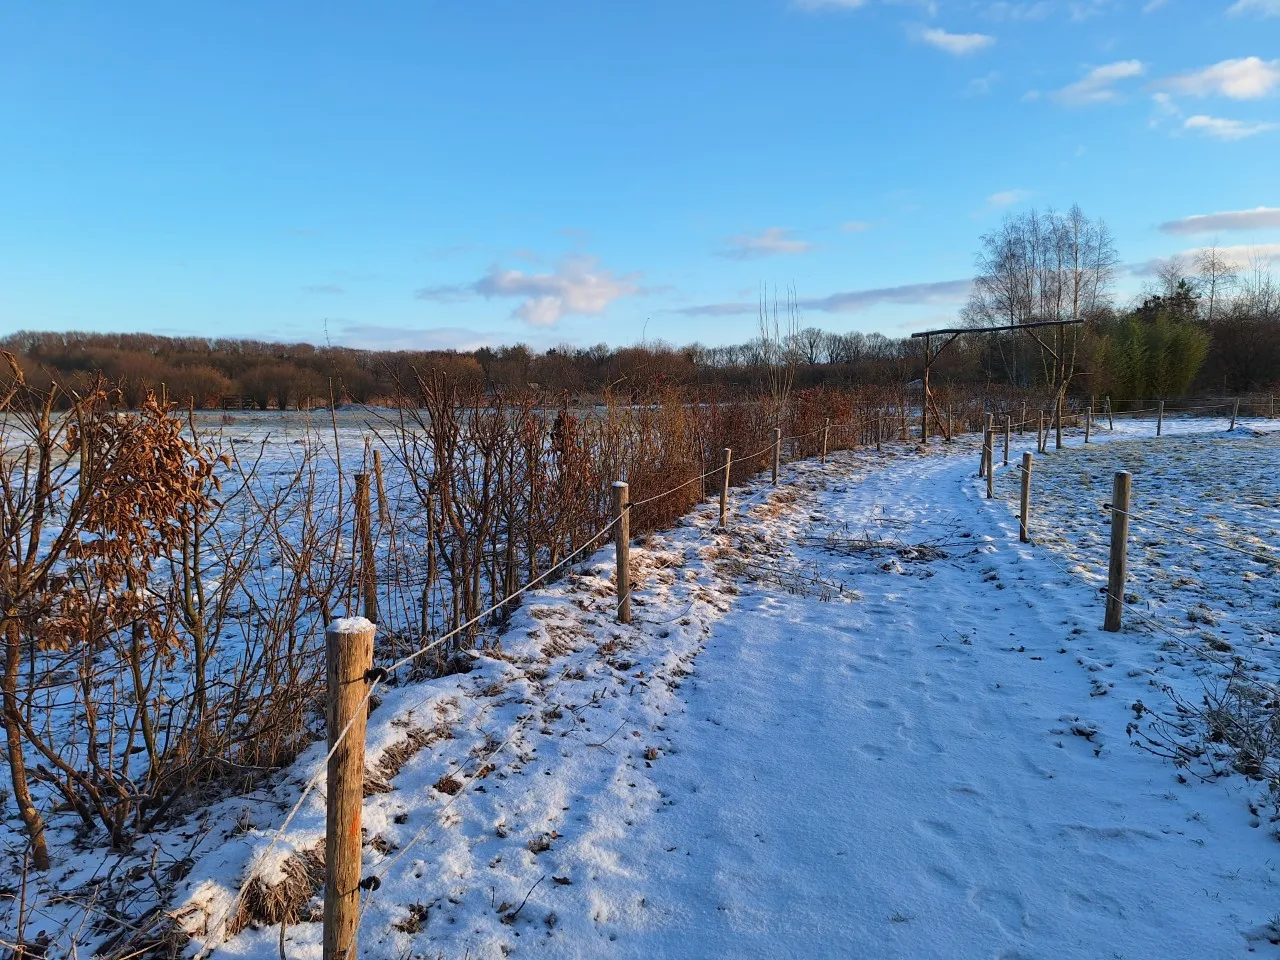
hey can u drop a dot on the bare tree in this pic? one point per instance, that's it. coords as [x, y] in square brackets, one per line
[1217, 276]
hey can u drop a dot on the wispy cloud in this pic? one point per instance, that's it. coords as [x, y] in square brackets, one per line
[981, 86]
[1221, 128]
[770, 242]
[957, 44]
[1259, 218]
[578, 286]
[1237, 256]
[1002, 10]
[850, 301]
[327, 289]
[1099, 84]
[1007, 198]
[1247, 78]
[1261, 8]
[373, 336]
[829, 4]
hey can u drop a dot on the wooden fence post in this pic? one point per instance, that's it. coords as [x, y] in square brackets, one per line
[879, 430]
[349, 658]
[364, 536]
[826, 430]
[724, 488]
[1088, 422]
[622, 538]
[951, 425]
[1007, 430]
[1159, 417]
[1111, 420]
[1235, 410]
[777, 454]
[991, 468]
[1024, 513]
[1119, 550]
[384, 510]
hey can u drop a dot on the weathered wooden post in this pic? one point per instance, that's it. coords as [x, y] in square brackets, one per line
[622, 544]
[826, 430]
[991, 466]
[777, 454]
[724, 488]
[1235, 411]
[1024, 513]
[1088, 422]
[622, 540]
[1119, 550]
[364, 536]
[1159, 417]
[349, 659]
[1111, 420]
[384, 509]
[1042, 435]
[1007, 431]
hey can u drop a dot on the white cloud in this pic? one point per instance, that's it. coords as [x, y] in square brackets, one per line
[579, 285]
[768, 243]
[911, 294]
[981, 86]
[958, 44]
[1247, 78]
[1006, 198]
[1222, 129]
[1098, 85]
[1262, 8]
[1239, 257]
[1259, 218]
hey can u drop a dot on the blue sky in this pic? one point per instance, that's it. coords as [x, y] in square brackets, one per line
[456, 173]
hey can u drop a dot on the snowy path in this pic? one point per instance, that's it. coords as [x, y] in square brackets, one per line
[803, 749]
[925, 773]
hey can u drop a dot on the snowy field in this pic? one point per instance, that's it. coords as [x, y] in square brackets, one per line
[864, 721]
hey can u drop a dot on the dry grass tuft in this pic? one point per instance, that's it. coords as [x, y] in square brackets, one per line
[266, 904]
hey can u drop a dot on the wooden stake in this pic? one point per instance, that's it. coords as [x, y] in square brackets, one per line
[364, 537]
[349, 658]
[1235, 410]
[1088, 422]
[826, 430]
[991, 470]
[1111, 420]
[1024, 515]
[1042, 435]
[1007, 431]
[724, 489]
[777, 454]
[1159, 417]
[1119, 550]
[384, 509]
[622, 537]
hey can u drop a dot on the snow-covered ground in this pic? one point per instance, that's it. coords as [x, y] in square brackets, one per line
[863, 722]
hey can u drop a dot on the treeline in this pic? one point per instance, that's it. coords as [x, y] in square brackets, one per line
[1202, 327]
